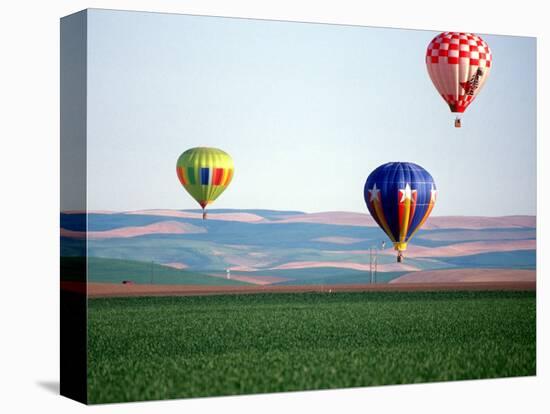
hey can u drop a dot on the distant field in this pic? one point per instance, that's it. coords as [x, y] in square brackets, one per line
[174, 347]
[115, 271]
[264, 242]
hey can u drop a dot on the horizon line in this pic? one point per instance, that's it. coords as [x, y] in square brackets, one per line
[213, 211]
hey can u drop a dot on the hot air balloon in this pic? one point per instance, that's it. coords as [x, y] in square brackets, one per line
[400, 196]
[458, 64]
[205, 173]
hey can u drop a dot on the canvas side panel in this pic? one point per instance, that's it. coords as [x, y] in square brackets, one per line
[73, 370]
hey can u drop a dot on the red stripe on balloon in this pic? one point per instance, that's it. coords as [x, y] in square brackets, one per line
[413, 207]
[217, 176]
[401, 213]
[179, 171]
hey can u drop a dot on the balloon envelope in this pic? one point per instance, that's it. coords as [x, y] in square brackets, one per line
[400, 196]
[458, 64]
[205, 173]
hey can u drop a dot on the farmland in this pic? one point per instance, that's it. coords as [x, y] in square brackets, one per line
[115, 271]
[286, 247]
[172, 347]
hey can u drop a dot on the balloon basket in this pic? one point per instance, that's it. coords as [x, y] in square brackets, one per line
[458, 122]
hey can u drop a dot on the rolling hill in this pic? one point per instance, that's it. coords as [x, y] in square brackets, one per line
[102, 270]
[285, 247]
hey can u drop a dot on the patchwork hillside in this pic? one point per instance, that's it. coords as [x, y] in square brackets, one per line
[291, 247]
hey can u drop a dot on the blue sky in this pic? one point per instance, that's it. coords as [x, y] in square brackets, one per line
[306, 110]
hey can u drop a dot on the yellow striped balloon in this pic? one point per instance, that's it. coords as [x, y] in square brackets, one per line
[205, 173]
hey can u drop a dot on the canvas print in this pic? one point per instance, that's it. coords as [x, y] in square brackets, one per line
[254, 206]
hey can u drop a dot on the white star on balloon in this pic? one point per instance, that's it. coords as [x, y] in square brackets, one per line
[374, 194]
[433, 194]
[406, 193]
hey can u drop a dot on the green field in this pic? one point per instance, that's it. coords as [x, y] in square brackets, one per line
[174, 347]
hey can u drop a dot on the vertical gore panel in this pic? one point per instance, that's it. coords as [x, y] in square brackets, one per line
[191, 175]
[217, 177]
[205, 172]
[181, 177]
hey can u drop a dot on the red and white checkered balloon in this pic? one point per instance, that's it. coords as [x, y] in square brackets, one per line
[458, 64]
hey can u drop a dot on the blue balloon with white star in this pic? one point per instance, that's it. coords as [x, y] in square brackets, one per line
[400, 197]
